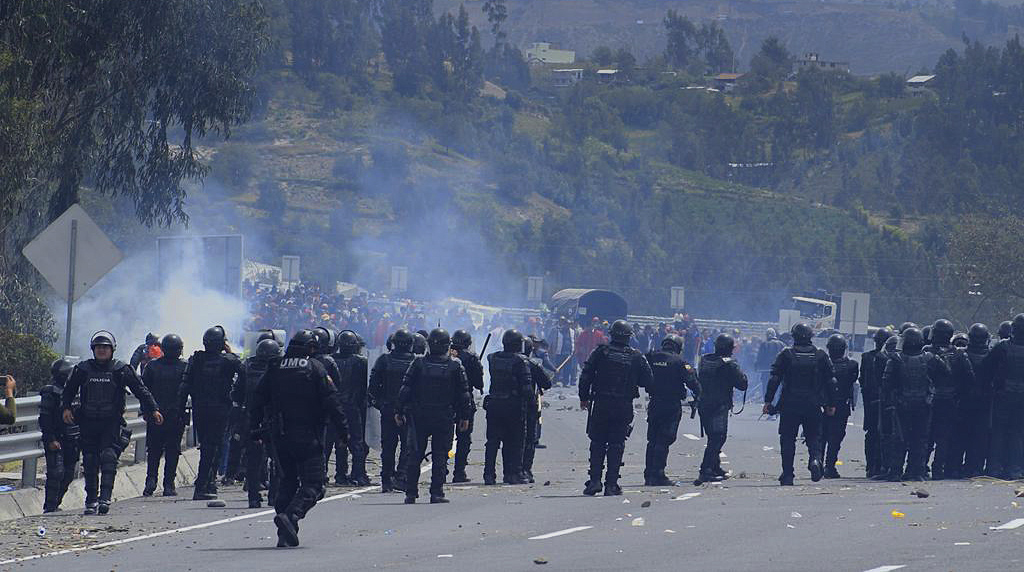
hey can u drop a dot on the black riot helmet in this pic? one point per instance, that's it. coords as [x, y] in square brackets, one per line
[836, 346]
[1005, 329]
[960, 340]
[151, 339]
[423, 333]
[913, 340]
[906, 326]
[60, 371]
[881, 334]
[348, 342]
[172, 346]
[512, 341]
[672, 343]
[621, 331]
[802, 333]
[103, 338]
[324, 339]
[402, 340]
[978, 335]
[461, 340]
[439, 341]
[528, 346]
[770, 334]
[265, 335]
[419, 344]
[268, 349]
[303, 343]
[214, 339]
[1017, 328]
[724, 345]
[942, 332]
[926, 333]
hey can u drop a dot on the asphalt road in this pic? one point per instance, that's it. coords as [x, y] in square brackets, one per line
[747, 523]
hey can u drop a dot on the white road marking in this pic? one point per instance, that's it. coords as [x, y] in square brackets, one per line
[560, 532]
[886, 568]
[184, 528]
[687, 496]
[691, 437]
[1015, 523]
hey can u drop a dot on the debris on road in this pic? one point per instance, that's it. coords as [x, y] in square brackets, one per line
[540, 560]
[638, 521]
[897, 514]
[921, 493]
[645, 504]
[216, 504]
[1019, 493]
[670, 531]
[795, 514]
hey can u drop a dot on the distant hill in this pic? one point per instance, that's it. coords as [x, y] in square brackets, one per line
[874, 37]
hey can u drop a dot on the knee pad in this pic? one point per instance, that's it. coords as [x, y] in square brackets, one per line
[108, 459]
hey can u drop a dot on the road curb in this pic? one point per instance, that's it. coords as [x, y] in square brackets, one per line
[130, 480]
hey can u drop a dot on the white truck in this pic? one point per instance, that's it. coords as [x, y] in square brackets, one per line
[827, 313]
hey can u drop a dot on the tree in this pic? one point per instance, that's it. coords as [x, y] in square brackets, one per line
[682, 39]
[978, 266]
[770, 65]
[497, 13]
[104, 85]
[602, 56]
[715, 48]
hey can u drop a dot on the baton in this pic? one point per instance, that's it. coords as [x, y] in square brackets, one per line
[559, 368]
[487, 341]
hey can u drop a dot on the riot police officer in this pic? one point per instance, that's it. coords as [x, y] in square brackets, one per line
[243, 395]
[461, 342]
[608, 385]
[163, 377]
[974, 410]
[385, 383]
[872, 364]
[325, 340]
[834, 423]
[100, 416]
[805, 374]
[505, 405]
[1005, 331]
[766, 354]
[944, 404]
[911, 375]
[671, 376]
[419, 344]
[290, 407]
[540, 381]
[719, 374]
[208, 380]
[434, 394]
[352, 387]
[894, 450]
[60, 441]
[1005, 366]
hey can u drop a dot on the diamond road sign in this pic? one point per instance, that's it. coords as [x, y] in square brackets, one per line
[50, 252]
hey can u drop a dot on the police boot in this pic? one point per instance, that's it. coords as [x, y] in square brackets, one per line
[596, 469]
[490, 460]
[202, 492]
[817, 471]
[152, 468]
[459, 475]
[611, 478]
[831, 472]
[256, 501]
[786, 479]
[386, 485]
[90, 508]
[287, 530]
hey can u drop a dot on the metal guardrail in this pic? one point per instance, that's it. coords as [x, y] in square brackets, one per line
[23, 440]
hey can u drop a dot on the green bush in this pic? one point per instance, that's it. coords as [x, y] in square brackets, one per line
[27, 358]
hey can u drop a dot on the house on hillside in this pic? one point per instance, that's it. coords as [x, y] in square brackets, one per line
[812, 60]
[608, 76]
[919, 84]
[543, 53]
[726, 81]
[566, 77]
